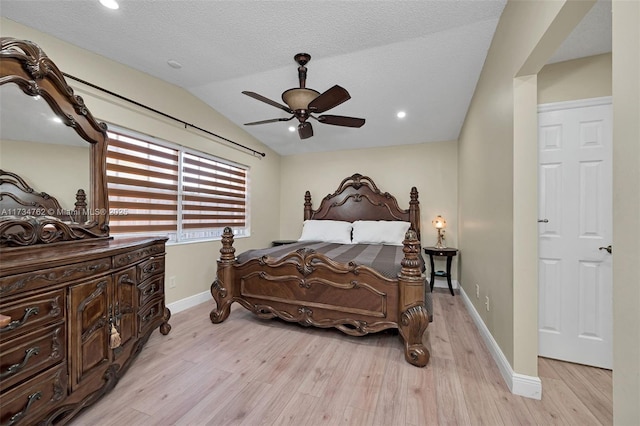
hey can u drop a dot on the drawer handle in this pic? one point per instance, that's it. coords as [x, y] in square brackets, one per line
[124, 279]
[18, 416]
[34, 310]
[150, 268]
[15, 368]
[150, 290]
[150, 315]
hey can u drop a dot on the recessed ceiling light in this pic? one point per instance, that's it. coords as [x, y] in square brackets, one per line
[110, 4]
[292, 129]
[174, 64]
[401, 114]
[57, 120]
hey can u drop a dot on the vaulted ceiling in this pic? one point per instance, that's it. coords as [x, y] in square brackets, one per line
[421, 57]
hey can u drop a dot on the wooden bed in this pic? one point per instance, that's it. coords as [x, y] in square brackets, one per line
[309, 288]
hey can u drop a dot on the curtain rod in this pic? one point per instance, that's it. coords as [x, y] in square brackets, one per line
[162, 113]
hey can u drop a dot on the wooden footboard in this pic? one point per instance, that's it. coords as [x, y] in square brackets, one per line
[309, 288]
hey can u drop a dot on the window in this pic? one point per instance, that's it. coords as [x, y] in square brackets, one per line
[157, 188]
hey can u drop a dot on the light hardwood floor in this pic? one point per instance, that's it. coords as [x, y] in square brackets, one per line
[284, 374]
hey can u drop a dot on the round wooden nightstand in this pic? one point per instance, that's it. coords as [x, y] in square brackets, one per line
[449, 252]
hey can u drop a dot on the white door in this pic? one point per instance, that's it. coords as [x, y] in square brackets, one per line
[575, 214]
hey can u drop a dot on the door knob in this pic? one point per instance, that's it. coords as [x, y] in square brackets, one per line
[607, 248]
[543, 220]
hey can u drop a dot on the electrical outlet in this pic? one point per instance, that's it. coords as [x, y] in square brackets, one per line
[477, 291]
[172, 282]
[487, 303]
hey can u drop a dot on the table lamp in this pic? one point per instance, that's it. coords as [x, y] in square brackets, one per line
[439, 223]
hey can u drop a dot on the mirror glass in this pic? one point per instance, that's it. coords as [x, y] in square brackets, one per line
[39, 147]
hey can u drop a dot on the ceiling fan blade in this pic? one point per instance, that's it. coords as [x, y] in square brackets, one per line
[273, 120]
[340, 120]
[305, 130]
[254, 95]
[329, 99]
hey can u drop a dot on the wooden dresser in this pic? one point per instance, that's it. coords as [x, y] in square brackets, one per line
[76, 305]
[57, 353]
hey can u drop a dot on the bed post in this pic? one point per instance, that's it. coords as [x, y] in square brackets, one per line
[414, 318]
[307, 206]
[222, 287]
[414, 211]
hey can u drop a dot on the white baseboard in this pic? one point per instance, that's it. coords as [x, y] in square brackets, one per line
[190, 302]
[519, 384]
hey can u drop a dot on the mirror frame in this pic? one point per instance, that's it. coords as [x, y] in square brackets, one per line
[24, 63]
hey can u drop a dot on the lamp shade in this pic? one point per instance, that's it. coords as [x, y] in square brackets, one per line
[439, 222]
[299, 98]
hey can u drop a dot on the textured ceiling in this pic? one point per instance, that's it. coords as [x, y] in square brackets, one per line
[423, 57]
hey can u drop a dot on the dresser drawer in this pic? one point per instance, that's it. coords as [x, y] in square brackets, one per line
[14, 284]
[134, 256]
[150, 267]
[29, 401]
[32, 313]
[150, 289]
[27, 355]
[151, 314]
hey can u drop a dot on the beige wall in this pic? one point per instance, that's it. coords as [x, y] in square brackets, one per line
[192, 265]
[65, 168]
[598, 76]
[430, 167]
[626, 212]
[577, 79]
[496, 229]
[584, 78]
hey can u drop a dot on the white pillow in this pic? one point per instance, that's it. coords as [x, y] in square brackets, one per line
[389, 232]
[328, 231]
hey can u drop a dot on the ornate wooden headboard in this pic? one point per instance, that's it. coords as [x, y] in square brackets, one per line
[29, 217]
[17, 198]
[358, 198]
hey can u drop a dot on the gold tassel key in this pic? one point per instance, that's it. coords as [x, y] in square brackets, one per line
[114, 338]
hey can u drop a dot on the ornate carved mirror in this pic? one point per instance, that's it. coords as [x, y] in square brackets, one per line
[49, 141]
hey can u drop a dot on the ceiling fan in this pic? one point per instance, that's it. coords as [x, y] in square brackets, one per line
[302, 102]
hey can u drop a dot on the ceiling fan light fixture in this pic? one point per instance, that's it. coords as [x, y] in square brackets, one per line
[302, 103]
[299, 98]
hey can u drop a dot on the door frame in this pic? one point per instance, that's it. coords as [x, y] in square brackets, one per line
[580, 103]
